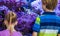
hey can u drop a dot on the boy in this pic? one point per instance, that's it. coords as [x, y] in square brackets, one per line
[48, 24]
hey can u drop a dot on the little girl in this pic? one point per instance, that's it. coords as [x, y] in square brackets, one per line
[10, 22]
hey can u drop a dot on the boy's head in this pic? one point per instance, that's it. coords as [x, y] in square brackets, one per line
[49, 4]
[10, 19]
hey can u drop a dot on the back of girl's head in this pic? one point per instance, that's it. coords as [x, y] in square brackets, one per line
[11, 17]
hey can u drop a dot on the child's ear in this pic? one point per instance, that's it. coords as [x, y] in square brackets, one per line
[16, 23]
[5, 22]
[44, 2]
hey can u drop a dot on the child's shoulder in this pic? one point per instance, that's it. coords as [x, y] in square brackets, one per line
[18, 33]
[3, 31]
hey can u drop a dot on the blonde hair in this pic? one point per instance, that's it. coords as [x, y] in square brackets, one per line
[50, 4]
[11, 17]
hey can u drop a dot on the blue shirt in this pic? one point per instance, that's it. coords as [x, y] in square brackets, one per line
[48, 24]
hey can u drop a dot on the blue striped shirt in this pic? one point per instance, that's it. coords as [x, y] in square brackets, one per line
[48, 22]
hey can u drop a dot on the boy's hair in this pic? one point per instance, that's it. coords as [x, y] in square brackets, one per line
[11, 17]
[50, 4]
